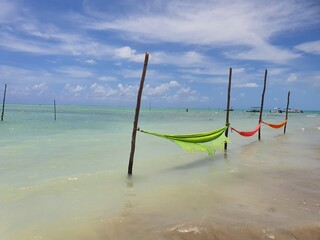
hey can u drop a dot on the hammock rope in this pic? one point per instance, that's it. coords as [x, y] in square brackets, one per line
[280, 125]
[203, 142]
[247, 134]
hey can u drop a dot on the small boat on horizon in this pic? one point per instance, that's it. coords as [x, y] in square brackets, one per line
[276, 110]
[230, 109]
[295, 110]
[279, 110]
[254, 109]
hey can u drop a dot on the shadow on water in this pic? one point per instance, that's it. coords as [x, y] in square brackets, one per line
[130, 197]
[191, 165]
[129, 182]
[251, 148]
[282, 137]
[226, 156]
[204, 162]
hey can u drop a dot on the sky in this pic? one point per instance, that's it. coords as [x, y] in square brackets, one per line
[91, 52]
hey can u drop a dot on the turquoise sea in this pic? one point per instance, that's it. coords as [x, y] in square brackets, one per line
[67, 179]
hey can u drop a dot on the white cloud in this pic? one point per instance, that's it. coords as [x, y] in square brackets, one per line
[189, 39]
[107, 79]
[214, 71]
[40, 88]
[23, 76]
[128, 73]
[120, 92]
[264, 52]
[90, 61]
[102, 92]
[15, 44]
[127, 91]
[23, 32]
[189, 58]
[167, 92]
[59, 44]
[75, 90]
[175, 92]
[161, 89]
[277, 71]
[75, 72]
[8, 11]
[310, 47]
[246, 85]
[129, 54]
[211, 23]
[316, 79]
[292, 78]
[185, 94]
[125, 52]
[215, 23]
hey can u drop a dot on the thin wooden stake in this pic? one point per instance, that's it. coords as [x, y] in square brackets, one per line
[288, 100]
[55, 109]
[136, 117]
[262, 101]
[228, 108]
[4, 101]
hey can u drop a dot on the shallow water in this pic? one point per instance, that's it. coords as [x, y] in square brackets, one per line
[67, 179]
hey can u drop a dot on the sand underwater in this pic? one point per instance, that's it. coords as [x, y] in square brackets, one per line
[67, 179]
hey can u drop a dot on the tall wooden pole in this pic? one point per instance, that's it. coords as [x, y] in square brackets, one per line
[136, 117]
[55, 109]
[262, 101]
[288, 100]
[228, 108]
[4, 101]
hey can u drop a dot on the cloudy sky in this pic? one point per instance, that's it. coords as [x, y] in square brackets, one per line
[92, 52]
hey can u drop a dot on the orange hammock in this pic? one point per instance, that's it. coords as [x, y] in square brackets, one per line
[247, 134]
[276, 125]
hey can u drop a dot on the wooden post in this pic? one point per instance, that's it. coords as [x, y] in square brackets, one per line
[288, 100]
[55, 109]
[262, 101]
[228, 108]
[136, 117]
[4, 101]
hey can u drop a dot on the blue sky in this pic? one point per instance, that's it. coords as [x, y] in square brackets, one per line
[91, 52]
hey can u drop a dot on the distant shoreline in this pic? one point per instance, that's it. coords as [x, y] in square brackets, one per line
[144, 107]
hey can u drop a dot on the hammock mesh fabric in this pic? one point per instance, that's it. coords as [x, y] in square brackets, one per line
[247, 134]
[203, 142]
[280, 125]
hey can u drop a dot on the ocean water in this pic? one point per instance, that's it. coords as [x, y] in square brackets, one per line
[67, 179]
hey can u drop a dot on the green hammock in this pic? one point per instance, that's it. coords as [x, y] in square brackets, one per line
[202, 142]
